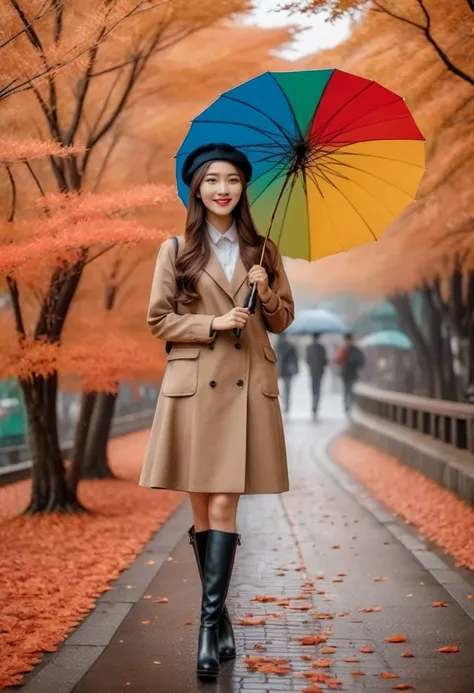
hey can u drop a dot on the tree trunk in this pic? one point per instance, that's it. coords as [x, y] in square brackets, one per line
[82, 430]
[407, 323]
[96, 460]
[50, 492]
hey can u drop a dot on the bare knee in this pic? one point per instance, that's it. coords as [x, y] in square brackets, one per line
[200, 506]
[222, 511]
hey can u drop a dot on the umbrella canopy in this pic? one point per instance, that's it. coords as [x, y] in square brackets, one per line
[388, 338]
[316, 320]
[335, 157]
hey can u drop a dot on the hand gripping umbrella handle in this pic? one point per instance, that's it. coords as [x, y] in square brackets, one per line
[251, 303]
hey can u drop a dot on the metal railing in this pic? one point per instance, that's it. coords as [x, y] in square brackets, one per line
[451, 423]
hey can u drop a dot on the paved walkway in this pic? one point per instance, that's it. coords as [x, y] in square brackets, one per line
[326, 527]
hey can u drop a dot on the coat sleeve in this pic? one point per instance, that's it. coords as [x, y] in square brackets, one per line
[279, 311]
[164, 322]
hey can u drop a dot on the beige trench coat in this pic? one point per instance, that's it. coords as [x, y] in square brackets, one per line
[217, 426]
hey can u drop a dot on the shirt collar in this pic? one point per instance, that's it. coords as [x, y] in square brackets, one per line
[216, 235]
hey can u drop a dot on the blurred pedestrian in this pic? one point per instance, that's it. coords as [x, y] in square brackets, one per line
[351, 360]
[287, 360]
[316, 359]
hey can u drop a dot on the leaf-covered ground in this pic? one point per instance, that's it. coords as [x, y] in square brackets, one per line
[436, 512]
[54, 568]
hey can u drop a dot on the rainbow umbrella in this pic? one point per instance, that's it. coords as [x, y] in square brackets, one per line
[335, 157]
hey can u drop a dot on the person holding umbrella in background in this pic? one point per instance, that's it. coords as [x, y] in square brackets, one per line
[316, 359]
[287, 366]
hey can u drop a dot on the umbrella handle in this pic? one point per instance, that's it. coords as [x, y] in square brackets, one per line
[250, 303]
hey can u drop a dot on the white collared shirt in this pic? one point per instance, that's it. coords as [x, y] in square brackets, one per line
[226, 247]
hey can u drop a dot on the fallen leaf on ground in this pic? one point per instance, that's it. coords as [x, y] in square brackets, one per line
[148, 596]
[380, 579]
[336, 546]
[403, 687]
[263, 598]
[448, 649]
[356, 672]
[322, 663]
[388, 675]
[438, 604]
[268, 665]
[300, 607]
[329, 649]
[370, 609]
[366, 649]
[322, 617]
[163, 600]
[145, 623]
[396, 638]
[406, 653]
[251, 622]
[259, 646]
[312, 639]
[352, 660]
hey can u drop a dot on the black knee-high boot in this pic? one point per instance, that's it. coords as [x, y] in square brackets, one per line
[220, 555]
[198, 541]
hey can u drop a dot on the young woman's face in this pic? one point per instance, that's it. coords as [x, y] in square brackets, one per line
[221, 188]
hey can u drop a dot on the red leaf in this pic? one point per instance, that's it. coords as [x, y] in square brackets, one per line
[448, 649]
[396, 638]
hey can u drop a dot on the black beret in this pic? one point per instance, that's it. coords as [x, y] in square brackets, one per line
[215, 151]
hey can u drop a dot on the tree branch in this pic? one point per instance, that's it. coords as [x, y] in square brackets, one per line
[12, 181]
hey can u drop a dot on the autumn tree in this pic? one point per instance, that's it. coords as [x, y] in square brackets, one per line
[446, 26]
[82, 104]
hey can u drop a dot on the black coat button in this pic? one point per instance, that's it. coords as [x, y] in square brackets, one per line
[211, 346]
[237, 345]
[240, 383]
[213, 383]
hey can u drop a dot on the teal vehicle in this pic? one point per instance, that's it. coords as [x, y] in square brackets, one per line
[13, 425]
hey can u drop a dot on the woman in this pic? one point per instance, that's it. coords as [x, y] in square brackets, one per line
[217, 431]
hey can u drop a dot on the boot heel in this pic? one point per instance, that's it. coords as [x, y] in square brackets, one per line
[208, 653]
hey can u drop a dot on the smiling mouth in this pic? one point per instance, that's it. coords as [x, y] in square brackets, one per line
[223, 203]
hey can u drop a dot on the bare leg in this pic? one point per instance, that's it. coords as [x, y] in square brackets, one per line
[200, 505]
[223, 511]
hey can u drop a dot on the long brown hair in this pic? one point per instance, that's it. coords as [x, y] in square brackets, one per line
[195, 255]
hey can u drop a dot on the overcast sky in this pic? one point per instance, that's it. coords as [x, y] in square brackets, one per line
[317, 35]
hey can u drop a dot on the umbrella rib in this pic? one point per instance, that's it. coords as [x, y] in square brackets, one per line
[362, 170]
[267, 133]
[292, 187]
[281, 172]
[282, 129]
[295, 122]
[373, 196]
[346, 103]
[343, 152]
[330, 182]
[342, 129]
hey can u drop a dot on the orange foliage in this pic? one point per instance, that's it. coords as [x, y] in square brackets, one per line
[441, 222]
[413, 496]
[54, 568]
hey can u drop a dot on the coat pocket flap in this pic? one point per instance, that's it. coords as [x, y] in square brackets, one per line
[177, 354]
[269, 353]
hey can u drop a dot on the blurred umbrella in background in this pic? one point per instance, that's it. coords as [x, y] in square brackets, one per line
[316, 320]
[386, 338]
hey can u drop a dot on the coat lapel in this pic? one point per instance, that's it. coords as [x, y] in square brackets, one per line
[239, 277]
[214, 270]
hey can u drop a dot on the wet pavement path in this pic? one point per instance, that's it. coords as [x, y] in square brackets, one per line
[325, 540]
